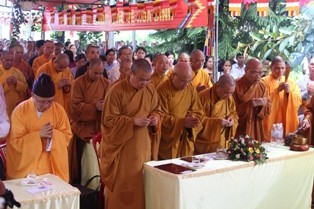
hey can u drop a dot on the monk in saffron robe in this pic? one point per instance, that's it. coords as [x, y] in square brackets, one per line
[45, 57]
[13, 82]
[221, 118]
[252, 101]
[39, 136]
[61, 76]
[130, 124]
[284, 96]
[307, 121]
[21, 64]
[182, 111]
[201, 78]
[85, 106]
[161, 64]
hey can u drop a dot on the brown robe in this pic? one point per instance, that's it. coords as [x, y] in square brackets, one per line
[176, 140]
[126, 147]
[156, 80]
[251, 118]
[213, 134]
[308, 114]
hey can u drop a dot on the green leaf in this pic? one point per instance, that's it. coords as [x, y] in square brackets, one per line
[292, 39]
[285, 30]
[255, 36]
[283, 44]
[267, 54]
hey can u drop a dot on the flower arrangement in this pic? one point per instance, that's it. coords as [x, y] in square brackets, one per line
[247, 149]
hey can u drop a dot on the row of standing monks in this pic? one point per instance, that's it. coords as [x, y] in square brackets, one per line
[142, 122]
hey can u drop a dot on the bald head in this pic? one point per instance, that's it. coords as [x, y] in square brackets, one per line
[197, 59]
[7, 60]
[61, 62]
[61, 57]
[182, 75]
[225, 86]
[254, 70]
[277, 59]
[183, 57]
[141, 64]
[252, 64]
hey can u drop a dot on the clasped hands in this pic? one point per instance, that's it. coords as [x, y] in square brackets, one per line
[259, 102]
[151, 120]
[46, 131]
[284, 86]
[227, 122]
[64, 83]
[191, 121]
[305, 124]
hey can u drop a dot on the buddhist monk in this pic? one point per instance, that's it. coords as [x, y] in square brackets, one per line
[161, 65]
[284, 96]
[252, 101]
[182, 111]
[85, 106]
[40, 134]
[201, 78]
[45, 57]
[61, 75]
[306, 123]
[125, 70]
[184, 57]
[221, 118]
[130, 124]
[4, 119]
[20, 63]
[13, 82]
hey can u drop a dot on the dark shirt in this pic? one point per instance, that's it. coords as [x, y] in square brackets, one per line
[82, 70]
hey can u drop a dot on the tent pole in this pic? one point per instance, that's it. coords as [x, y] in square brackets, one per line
[216, 57]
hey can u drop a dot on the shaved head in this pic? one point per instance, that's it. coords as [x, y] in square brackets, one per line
[62, 57]
[254, 70]
[182, 75]
[225, 86]
[226, 79]
[276, 60]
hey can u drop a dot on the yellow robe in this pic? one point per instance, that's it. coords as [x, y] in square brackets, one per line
[26, 150]
[157, 81]
[14, 94]
[61, 96]
[201, 78]
[27, 71]
[38, 62]
[284, 107]
[309, 114]
[85, 93]
[126, 147]
[213, 134]
[176, 140]
[251, 118]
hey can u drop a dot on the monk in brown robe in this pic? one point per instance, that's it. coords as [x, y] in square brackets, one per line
[85, 107]
[130, 123]
[21, 64]
[45, 57]
[161, 65]
[13, 82]
[285, 98]
[182, 111]
[307, 121]
[61, 75]
[39, 136]
[252, 100]
[221, 118]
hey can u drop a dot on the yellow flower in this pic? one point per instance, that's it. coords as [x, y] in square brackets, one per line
[257, 151]
[251, 150]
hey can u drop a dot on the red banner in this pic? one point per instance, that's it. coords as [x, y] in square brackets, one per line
[141, 16]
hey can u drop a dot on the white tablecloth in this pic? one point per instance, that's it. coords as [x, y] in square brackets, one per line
[284, 182]
[61, 196]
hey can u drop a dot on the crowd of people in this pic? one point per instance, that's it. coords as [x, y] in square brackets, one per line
[54, 100]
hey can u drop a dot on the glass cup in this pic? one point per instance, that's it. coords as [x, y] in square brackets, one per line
[196, 160]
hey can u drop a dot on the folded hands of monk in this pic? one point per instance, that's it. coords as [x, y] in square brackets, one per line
[46, 131]
[283, 86]
[11, 80]
[141, 121]
[259, 102]
[191, 121]
[228, 122]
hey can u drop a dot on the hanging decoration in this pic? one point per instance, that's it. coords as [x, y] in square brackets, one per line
[292, 7]
[262, 8]
[235, 7]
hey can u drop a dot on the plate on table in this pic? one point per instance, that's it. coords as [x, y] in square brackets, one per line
[31, 182]
[196, 165]
[221, 157]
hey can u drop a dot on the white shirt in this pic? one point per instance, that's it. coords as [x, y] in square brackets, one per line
[236, 71]
[4, 119]
[114, 74]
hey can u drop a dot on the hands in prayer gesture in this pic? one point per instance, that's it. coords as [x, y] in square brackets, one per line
[11, 80]
[283, 86]
[100, 105]
[305, 124]
[144, 122]
[228, 122]
[46, 131]
[64, 82]
[191, 121]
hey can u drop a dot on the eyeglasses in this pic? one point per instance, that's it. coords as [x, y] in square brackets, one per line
[257, 72]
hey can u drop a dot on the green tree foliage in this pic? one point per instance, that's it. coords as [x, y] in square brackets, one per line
[18, 18]
[89, 37]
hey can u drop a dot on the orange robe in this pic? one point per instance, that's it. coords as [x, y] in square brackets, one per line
[38, 62]
[251, 118]
[213, 134]
[26, 151]
[27, 71]
[85, 93]
[308, 114]
[126, 147]
[201, 78]
[62, 96]
[14, 94]
[157, 81]
[284, 107]
[176, 140]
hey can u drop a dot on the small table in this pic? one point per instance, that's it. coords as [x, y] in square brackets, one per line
[62, 195]
[284, 181]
